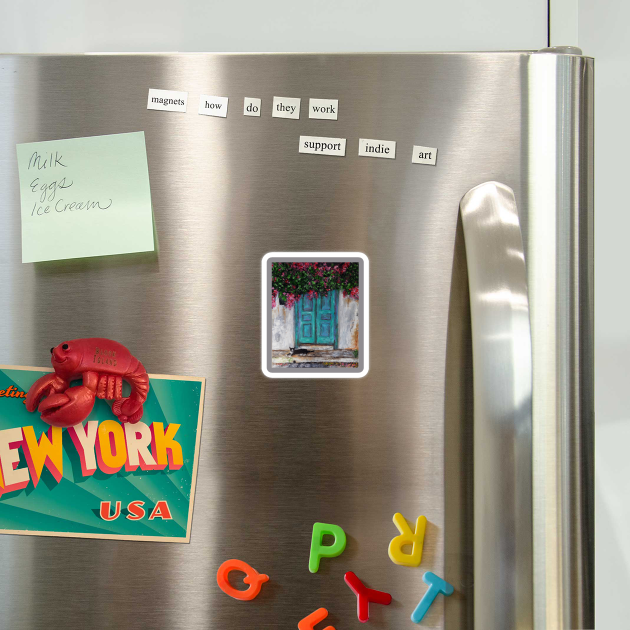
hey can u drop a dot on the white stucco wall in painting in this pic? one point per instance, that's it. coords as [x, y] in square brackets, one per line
[282, 327]
[348, 328]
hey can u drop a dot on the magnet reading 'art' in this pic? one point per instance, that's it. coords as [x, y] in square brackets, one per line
[319, 551]
[102, 364]
[407, 537]
[252, 577]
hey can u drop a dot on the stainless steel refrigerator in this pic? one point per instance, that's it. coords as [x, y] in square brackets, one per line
[477, 409]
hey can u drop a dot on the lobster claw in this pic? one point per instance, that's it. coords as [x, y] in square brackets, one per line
[43, 386]
[68, 408]
[128, 410]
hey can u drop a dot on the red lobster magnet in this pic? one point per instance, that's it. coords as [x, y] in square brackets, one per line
[103, 364]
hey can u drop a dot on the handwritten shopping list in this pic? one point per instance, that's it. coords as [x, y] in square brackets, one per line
[85, 197]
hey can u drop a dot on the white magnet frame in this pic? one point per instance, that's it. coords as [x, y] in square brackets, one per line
[365, 323]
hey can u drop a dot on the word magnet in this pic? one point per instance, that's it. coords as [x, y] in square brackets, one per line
[213, 106]
[319, 550]
[377, 148]
[407, 537]
[251, 106]
[167, 100]
[424, 155]
[252, 577]
[323, 108]
[365, 595]
[436, 586]
[285, 107]
[322, 146]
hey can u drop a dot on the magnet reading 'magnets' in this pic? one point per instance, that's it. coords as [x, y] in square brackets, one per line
[103, 364]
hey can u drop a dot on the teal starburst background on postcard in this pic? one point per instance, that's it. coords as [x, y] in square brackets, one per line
[72, 505]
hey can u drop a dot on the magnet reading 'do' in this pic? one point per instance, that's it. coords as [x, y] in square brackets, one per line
[102, 364]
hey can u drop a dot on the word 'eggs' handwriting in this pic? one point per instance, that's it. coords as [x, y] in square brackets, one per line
[48, 190]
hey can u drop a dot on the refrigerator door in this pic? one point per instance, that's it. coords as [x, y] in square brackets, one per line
[278, 455]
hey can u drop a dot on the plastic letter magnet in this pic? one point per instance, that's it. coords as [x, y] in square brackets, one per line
[308, 623]
[436, 586]
[407, 537]
[252, 577]
[319, 551]
[365, 595]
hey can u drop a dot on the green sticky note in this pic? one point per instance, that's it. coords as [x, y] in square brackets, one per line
[85, 197]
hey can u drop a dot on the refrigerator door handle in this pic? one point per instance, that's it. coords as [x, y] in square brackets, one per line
[502, 374]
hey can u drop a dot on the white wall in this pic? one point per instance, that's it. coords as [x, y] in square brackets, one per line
[270, 25]
[282, 327]
[348, 322]
[603, 30]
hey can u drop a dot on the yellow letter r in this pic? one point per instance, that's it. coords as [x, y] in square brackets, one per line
[407, 537]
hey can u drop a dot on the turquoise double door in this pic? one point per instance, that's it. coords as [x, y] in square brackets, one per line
[316, 320]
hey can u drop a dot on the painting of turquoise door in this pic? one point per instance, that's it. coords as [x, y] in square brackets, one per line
[316, 320]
